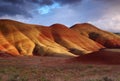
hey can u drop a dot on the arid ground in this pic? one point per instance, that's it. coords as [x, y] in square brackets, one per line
[99, 66]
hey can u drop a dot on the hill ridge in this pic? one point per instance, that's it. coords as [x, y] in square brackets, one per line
[55, 40]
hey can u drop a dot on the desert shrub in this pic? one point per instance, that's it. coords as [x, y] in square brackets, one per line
[38, 50]
[76, 51]
[13, 78]
[107, 79]
[90, 66]
[0, 78]
[18, 78]
[43, 79]
[93, 35]
[102, 79]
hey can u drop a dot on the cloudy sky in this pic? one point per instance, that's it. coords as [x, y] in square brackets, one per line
[103, 13]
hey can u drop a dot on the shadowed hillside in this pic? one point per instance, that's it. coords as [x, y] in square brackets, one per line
[105, 38]
[107, 56]
[57, 40]
[72, 40]
[117, 34]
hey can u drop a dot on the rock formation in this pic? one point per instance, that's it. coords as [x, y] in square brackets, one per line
[104, 38]
[73, 41]
[18, 38]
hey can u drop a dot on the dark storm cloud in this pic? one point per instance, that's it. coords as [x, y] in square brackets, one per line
[14, 1]
[50, 2]
[23, 7]
[13, 10]
[98, 12]
[20, 7]
[40, 2]
[67, 1]
[43, 2]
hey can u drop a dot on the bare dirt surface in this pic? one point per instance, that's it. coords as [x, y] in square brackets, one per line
[106, 56]
[98, 66]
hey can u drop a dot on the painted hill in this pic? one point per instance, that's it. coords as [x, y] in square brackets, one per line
[72, 40]
[117, 34]
[29, 40]
[18, 38]
[105, 38]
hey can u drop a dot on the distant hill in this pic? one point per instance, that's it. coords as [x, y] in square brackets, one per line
[107, 39]
[19, 39]
[117, 33]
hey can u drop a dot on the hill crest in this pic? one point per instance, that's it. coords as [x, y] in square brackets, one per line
[56, 40]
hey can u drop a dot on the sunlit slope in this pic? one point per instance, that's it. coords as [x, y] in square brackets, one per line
[31, 39]
[73, 41]
[21, 42]
[6, 47]
[43, 40]
[105, 38]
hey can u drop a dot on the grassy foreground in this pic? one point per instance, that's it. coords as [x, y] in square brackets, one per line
[54, 69]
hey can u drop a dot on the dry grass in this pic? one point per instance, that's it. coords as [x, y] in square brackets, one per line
[54, 69]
